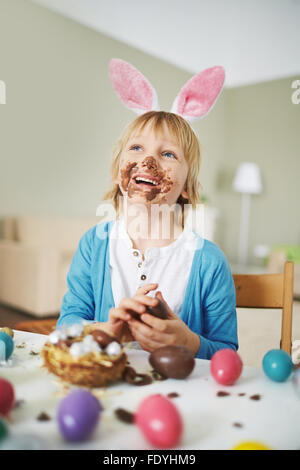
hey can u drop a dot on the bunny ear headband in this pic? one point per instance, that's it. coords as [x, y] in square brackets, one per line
[194, 101]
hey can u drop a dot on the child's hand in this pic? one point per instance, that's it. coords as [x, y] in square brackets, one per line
[153, 333]
[132, 306]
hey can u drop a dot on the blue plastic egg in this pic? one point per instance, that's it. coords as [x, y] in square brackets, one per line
[78, 415]
[277, 365]
[8, 343]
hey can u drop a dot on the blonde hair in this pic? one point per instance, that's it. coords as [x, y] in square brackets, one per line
[188, 141]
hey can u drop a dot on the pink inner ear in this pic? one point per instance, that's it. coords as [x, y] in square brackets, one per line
[133, 88]
[200, 92]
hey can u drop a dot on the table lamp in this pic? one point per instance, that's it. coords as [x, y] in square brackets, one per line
[247, 181]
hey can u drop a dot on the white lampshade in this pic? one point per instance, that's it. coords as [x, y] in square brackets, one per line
[247, 179]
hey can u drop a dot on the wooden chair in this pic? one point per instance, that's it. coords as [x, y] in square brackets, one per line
[269, 291]
[43, 327]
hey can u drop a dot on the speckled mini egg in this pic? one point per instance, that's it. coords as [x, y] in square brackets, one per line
[226, 366]
[7, 397]
[160, 421]
[78, 415]
[277, 365]
[8, 343]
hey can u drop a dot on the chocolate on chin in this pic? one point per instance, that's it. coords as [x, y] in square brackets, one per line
[159, 310]
[176, 362]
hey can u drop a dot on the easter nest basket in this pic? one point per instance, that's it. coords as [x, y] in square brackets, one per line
[93, 369]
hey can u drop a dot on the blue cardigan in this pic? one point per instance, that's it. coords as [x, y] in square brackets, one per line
[209, 305]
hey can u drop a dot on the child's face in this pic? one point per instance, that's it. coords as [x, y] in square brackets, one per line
[157, 157]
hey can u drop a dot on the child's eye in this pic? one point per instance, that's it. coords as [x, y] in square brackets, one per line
[135, 147]
[170, 153]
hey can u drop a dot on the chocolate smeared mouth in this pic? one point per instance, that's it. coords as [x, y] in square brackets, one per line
[146, 181]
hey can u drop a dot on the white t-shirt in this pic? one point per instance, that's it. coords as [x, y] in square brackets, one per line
[169, 266]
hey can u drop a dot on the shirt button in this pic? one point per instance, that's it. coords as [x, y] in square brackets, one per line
[143, 277]
[135, 253]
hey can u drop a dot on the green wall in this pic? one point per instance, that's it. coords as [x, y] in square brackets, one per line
[62, 118]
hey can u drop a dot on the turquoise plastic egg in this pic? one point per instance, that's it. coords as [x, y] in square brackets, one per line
[277, 365]
[8, 343]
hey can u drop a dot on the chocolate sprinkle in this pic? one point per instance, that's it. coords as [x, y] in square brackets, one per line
[43, 416]
[173, 395]
[222, 393]
[242, 394]
[124, 415]
[238, 425]
[132, 377]
[255, 397]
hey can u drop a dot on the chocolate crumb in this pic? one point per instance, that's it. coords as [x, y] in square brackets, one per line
[43, 416]
[124, 415]
[21, 345]
[34, 353]
[222, 393]
[238, 425]
[157, 376]
[255, 397]
[173, 395]
[132, 377]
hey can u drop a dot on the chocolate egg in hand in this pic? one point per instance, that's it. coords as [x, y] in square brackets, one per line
[159, 310]
[176, 362]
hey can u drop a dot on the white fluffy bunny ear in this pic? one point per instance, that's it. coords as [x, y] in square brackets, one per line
[132, 87]
[199, 94]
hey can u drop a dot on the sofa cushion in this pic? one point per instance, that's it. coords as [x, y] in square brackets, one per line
[62, 233]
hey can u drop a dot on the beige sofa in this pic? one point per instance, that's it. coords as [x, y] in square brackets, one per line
[35, 256]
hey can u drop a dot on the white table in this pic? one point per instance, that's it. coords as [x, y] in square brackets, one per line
[209, 420]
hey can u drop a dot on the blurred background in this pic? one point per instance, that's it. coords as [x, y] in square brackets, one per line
[61, 118]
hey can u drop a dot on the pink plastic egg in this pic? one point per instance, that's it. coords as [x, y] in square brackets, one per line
[7, 397]
[226, 366]
[160, 421]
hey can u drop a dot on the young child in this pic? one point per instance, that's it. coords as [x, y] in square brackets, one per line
[117, 263]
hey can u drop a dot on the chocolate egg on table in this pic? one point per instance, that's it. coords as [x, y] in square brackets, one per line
[159, 310]
[78, 415]
[7, 397]
[8, 344]
[176, 362]
[160, 421]
[226, 366]
[277, 365]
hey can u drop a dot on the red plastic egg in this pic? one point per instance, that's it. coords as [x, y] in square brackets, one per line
[160, 421]
[226, 366]
[7, 397]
